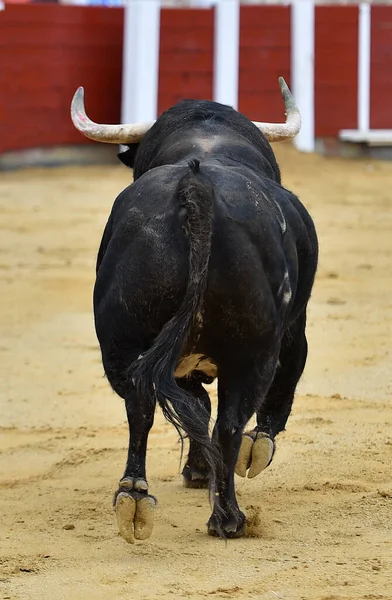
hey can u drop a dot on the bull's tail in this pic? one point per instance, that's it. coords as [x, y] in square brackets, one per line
[153, 373]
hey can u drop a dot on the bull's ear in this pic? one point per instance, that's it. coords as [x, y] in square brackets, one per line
[128, 156]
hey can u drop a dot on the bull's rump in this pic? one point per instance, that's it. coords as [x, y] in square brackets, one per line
[143, 274]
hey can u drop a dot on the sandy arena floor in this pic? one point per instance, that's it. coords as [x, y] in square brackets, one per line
[321, 515]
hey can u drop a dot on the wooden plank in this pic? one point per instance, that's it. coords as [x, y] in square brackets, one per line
[378, 137]
[186, 18]
[183, 61]
[264, 59]
[194, 41]
[336, 69]
[186, 55]
[66, 14]
[267, 106]
[265, 16]
[46, 60]
[258, 38]
[254, 82]
[45, 35]
[264, 56]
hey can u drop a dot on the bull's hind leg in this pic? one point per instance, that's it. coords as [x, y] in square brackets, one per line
[196, 472]
[258, 445]
[237, 400]
[134, 506]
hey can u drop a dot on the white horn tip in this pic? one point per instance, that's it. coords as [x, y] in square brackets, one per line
[288, 98]
[78, 97]
[78, 113]
[282, 83]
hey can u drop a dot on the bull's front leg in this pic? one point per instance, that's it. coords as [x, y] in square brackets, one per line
[134, 505]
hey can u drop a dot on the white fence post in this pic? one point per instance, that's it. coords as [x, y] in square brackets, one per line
[302, 69]
[140, 60]
[226, 51]
[364, 67]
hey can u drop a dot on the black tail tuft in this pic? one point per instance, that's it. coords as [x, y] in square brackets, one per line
[153, 373]
[194, 165]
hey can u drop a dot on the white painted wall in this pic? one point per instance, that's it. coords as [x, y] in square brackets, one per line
[226, 51]
[302, 70]
[364, 67]
[140, 60]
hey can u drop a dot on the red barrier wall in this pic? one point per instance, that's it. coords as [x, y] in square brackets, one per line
[46, 52]
[186, 56]
[381, 68]
[336, 66]
[264, 56]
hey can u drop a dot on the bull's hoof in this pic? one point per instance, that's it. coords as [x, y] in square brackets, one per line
[194, 479]
[233, 527]
[134, 510]
[256, 453]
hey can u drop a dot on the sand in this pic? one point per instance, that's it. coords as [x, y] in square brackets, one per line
[320, 516]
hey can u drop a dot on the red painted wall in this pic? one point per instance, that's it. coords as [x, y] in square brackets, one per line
[381, 68]
[46, 52]
[264, 56]
[336, 60]
[186, 55]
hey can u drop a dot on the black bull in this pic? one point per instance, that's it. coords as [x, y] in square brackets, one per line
[205, 270]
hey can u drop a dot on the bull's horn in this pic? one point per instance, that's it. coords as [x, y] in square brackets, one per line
[111, 134]
[279, 132]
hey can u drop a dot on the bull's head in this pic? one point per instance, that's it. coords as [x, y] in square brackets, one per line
[134, 133]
